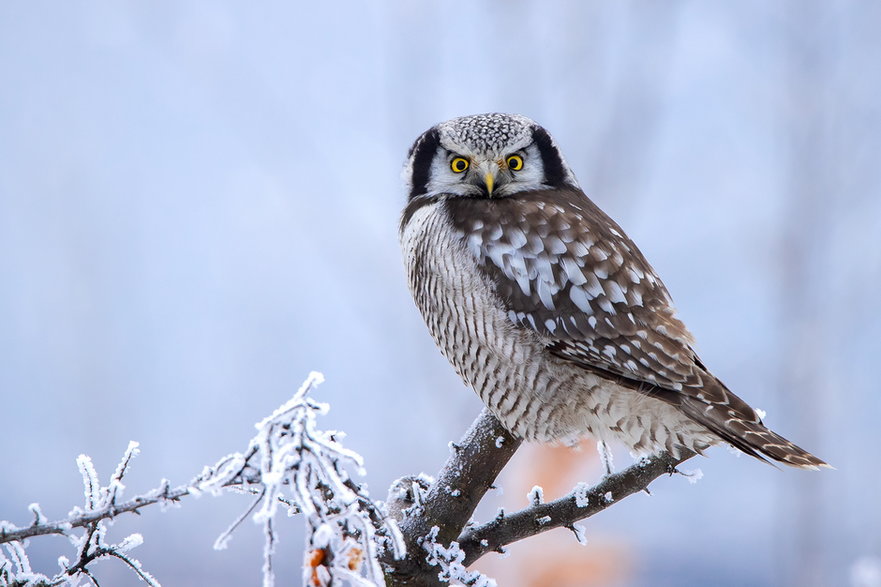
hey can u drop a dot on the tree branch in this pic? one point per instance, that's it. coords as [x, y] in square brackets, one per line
[162, 494]
[425, 535]
[450, 501]
[290, 461]
[581, 503]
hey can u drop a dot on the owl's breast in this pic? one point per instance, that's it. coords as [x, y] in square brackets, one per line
[507, 366]
[456, 300]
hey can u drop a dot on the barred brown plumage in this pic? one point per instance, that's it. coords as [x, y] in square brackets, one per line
[548, 310]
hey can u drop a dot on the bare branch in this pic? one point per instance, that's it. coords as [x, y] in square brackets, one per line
[87, 518]
[564, 512]
[290, 461]
[467, 475]
[423, 535]
[440, 513]
[450, 501]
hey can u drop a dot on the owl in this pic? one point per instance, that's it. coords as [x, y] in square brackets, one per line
[546, 308]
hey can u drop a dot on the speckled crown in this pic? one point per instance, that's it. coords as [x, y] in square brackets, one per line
[487, 132]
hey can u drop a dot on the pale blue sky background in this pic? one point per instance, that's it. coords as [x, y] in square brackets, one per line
[199, 205]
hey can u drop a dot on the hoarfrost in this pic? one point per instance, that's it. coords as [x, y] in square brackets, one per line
[407, 493]
[693, 475]
[606, 457]
[500, 440]
[91, 486]
[89, 538]
[451, 562]
[608, 497]
[580, 534]
[131, 541]
[39, 518]
[536, 495]
[544, 520]
[290, 464]
[580, 493]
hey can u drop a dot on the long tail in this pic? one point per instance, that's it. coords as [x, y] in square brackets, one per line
[738, 424]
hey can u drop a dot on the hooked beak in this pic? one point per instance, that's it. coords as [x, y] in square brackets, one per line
[488, 170]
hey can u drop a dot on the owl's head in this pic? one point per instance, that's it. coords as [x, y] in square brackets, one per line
[485, 156]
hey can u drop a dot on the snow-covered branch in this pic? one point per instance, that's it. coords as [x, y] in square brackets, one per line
[85, 527]
[451, 563]
[423, 535]
[290, 463]
[435, 516]
[579, 504]
[81, 518]
[440, 511]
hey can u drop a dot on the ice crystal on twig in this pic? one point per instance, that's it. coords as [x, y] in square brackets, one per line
[290, 462]
[536, 495]
[693, 475]
[451, 562]
[582, 495]
[88, 534]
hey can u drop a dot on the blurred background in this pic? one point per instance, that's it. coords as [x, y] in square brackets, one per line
[199, 205]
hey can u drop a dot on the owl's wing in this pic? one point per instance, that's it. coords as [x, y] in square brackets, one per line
[566, 271]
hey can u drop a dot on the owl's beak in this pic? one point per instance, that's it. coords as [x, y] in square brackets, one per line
[488, 171]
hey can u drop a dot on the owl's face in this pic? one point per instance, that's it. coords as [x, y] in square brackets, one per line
[485, 156]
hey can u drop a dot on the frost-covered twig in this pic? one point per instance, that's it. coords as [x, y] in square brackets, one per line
[451, 562]
[290, 463]
[581, 503]
[82, 518]
[296, 461]
[89, 535]
[351, 539]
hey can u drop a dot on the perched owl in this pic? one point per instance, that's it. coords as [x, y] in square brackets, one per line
[547, 309]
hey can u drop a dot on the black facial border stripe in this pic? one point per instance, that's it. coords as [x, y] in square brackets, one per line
[424, 149]
[550, 156]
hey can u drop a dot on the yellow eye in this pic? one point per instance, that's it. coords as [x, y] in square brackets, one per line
[459, 164]
[514, 162]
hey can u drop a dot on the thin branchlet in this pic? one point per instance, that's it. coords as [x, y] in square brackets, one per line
[289, 463]
[350, 538]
